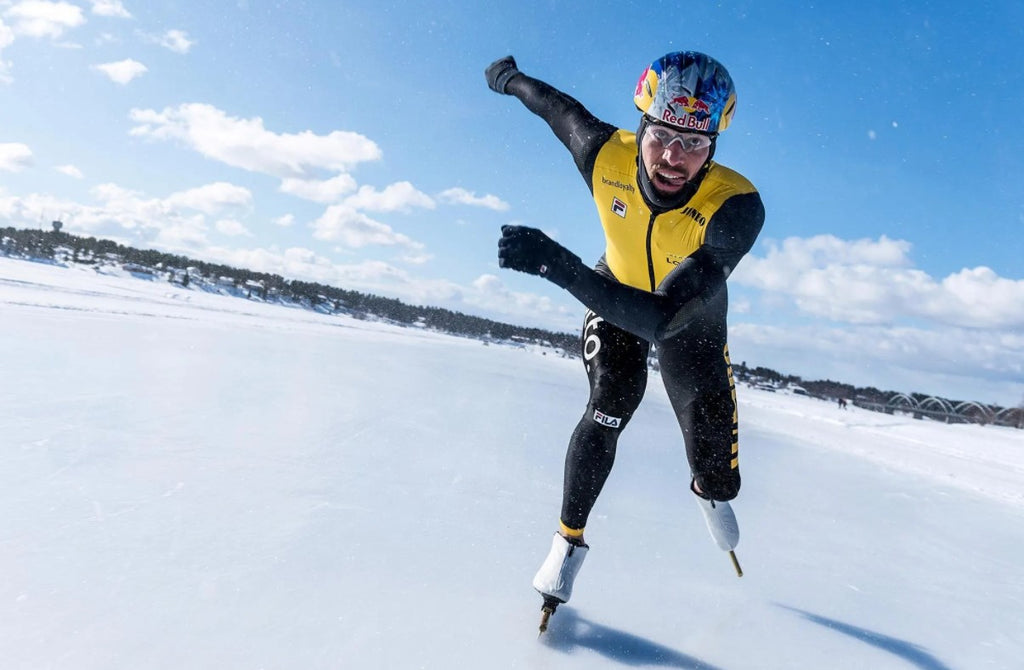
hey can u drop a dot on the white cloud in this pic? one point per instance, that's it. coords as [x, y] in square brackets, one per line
[15, 157]
[118, 207]
[490, 293]
[354, 229]
[286, 221]
[132, 209]
[6, 40]
[461, 196]
[70, 170]
[416, 258]
[176, 40]
[297, 263]
[39, 18]
[371, 275]
[246, 144]
[122, 71]
[324, 191]
[398, 197]
[112, 8]
[110, 192]
[6, 35]
[186, 235]
[827, 250]
[211, 198]
[871, 282]
[183, 215]
[232, 228]
[979, 297]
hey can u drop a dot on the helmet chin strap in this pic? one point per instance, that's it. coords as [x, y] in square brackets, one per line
[660, 203]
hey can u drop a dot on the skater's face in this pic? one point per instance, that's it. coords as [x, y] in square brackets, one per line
[672, 158]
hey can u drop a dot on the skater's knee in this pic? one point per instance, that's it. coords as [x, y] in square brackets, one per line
[617, 397]
[722, 487]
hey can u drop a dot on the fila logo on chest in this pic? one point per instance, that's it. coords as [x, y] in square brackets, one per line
[618, 207]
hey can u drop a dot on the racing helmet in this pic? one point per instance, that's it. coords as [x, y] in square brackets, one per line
[687, 90]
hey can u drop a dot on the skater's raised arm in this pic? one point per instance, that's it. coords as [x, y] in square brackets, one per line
[581, 132]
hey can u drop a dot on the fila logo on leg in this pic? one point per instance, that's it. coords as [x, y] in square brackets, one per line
[605, 420]
[618, 207]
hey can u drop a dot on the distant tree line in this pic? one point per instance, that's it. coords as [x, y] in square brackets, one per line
[187, 272]
[825, 389]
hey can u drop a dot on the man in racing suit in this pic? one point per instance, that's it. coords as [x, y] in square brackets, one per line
[676, 223]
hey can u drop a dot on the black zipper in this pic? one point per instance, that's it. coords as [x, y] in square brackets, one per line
[650, 253]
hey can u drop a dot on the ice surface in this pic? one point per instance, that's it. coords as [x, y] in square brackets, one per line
[196, 481]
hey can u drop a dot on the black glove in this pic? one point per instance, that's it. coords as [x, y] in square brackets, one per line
[529, 250]
[499, 72]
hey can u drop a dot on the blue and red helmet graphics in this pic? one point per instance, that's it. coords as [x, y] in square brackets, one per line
[687, 90]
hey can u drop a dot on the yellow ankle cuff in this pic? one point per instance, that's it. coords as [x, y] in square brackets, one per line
[570, 532]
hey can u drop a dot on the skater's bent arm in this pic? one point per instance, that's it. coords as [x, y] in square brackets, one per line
[659, 315]
[682, 295]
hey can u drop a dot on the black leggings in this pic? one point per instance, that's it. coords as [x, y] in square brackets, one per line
[698, 378]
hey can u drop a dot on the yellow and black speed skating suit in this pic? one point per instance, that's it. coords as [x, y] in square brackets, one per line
[661, 280]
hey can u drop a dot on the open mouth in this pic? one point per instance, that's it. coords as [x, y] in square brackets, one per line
[669, 180]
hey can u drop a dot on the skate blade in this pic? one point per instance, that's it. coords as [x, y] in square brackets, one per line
[544, 617]
[550, 605]
[736, 564]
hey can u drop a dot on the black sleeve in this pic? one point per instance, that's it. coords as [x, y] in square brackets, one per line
[581, 132]
[685, 291]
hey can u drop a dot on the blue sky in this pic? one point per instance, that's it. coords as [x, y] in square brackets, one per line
[356, 143]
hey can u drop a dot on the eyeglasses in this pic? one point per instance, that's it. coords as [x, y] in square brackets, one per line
[688, 142]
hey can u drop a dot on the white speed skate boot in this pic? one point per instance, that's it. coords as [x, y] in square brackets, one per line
[721, 522]
[555, 578]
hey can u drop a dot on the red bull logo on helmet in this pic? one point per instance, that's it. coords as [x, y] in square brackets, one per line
[686, 121]
[691, 105]
[641, 83]
[687, 112]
